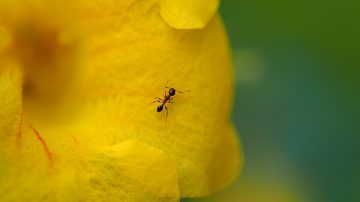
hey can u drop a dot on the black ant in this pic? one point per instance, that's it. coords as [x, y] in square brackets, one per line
[167, 99]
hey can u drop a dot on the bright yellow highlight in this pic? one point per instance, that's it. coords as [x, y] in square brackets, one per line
[77, 79]
[141, 163]
[188, 14]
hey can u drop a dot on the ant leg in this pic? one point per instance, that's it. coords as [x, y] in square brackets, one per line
[167, 112]
[170, 100]
[157, 99]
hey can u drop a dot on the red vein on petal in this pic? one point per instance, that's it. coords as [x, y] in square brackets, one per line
[46, 148]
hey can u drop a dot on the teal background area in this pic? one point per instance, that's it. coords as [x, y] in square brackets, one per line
[297, 94]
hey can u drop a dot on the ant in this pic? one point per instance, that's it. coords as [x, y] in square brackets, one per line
[167, 99]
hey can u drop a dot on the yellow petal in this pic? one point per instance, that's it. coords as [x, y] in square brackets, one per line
[130, 66]
[10, 105]
[188, 14]
[70, 170]
[128, 55]
[132, 171]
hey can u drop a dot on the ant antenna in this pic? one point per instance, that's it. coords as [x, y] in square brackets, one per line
[183, 91]
[167, 82]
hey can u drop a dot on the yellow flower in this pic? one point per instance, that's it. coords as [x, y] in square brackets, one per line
[77, 79]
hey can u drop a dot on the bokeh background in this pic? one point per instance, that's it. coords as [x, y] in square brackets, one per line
[297, 99]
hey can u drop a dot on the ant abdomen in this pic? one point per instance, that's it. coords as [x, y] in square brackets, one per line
[166, 99]
[160, 108]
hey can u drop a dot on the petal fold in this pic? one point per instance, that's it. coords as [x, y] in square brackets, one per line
[133, 171]
[188, 14]
[128, 55]
[127, 76]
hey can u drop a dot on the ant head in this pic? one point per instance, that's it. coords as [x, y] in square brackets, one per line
[172, 92]
[160, 108]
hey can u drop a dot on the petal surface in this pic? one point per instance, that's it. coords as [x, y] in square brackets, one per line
[131, 60]
[126, 54]
[188, 14]
[131, 171]
[10, 106]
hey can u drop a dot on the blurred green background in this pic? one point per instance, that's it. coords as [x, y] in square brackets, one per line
[297, 99]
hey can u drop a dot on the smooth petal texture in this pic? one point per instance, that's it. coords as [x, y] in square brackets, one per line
[139, 173]
[10, 102]
[126, 54]
[10, 105]
[69, 169]
[4, 40]
[128, 72]
[188, 14]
